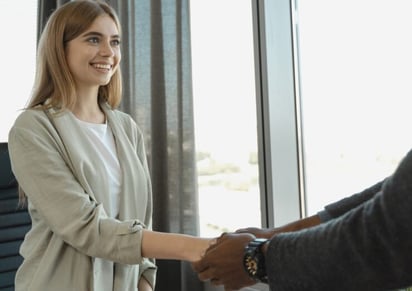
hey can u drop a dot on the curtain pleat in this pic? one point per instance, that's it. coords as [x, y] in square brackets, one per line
[157, 93]
[45, 8]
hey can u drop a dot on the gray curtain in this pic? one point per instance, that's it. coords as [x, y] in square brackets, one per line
[156, 70]
[45, 8]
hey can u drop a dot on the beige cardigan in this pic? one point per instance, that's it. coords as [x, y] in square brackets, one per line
[62, 177]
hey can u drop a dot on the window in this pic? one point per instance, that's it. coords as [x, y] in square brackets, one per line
[225, 115]
[334, 81]
[355, 91]
[278, 112]
[18, 28]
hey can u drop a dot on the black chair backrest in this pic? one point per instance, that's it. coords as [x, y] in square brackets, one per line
[14, 222]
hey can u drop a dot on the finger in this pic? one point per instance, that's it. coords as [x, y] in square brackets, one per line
[199, 266]
[215, 282]
[215, 243]
[206, 275]
[231, 288]
[212, 242]
[247, 230]
[241, 230]
[222, 235]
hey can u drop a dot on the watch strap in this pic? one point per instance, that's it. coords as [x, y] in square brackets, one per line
[254, 260]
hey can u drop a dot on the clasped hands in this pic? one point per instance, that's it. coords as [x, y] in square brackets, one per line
[222, 262]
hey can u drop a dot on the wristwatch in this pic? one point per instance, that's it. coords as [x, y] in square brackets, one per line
[254, 260]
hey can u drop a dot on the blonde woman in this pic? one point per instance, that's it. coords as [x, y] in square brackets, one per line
[81, 165]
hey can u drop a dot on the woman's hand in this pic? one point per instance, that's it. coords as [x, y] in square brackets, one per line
[174, 246]
[223, 262]
[199, 248]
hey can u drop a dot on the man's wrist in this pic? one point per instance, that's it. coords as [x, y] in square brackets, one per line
[254, 259]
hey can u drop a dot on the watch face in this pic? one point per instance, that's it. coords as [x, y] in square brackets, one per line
[254, 260]
[251, 265]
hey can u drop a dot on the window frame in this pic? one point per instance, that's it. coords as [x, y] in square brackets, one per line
[280, 146]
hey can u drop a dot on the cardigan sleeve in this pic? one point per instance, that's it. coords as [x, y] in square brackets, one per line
[367, 248]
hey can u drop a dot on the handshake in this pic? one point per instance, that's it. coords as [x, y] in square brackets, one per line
[236, 260]
[223, 263]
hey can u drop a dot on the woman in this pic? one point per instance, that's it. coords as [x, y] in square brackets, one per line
[81, 165]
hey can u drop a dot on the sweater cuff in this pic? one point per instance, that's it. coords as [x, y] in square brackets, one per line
[324, 215]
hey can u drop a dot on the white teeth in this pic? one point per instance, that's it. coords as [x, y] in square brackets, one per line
[102, 66]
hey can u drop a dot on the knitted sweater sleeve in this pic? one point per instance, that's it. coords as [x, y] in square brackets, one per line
[366, 248]
[340, 207]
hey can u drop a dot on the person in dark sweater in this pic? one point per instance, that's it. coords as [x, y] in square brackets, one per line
[362, 242]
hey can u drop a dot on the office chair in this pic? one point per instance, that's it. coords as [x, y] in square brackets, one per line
[14, 223]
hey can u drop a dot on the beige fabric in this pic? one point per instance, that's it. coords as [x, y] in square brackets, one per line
[63, 179]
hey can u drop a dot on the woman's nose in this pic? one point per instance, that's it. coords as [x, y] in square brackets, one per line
[106, 50]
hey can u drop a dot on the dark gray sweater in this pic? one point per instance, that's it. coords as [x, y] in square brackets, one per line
[365, 244]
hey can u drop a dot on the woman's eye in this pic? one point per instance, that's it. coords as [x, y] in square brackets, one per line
[93, 40]
[116, 42]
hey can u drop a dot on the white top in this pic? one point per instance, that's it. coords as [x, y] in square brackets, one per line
[102, 137]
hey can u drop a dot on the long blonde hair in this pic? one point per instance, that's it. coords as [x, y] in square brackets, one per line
[54, 84]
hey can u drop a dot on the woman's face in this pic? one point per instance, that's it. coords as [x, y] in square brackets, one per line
[94, 55]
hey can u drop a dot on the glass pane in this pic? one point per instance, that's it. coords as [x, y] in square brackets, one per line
[18, 28]
[356, 94]
[225, 114]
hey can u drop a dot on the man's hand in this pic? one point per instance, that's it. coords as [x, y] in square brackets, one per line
[223, 262]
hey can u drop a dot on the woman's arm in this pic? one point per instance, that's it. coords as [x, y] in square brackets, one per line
[173, 246]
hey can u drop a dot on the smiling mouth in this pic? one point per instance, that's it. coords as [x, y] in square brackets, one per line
[102, 66]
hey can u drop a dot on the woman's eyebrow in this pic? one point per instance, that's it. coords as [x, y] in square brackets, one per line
[95, 33]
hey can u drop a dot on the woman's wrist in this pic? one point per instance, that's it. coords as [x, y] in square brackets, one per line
[196, 248]
[173, 246]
